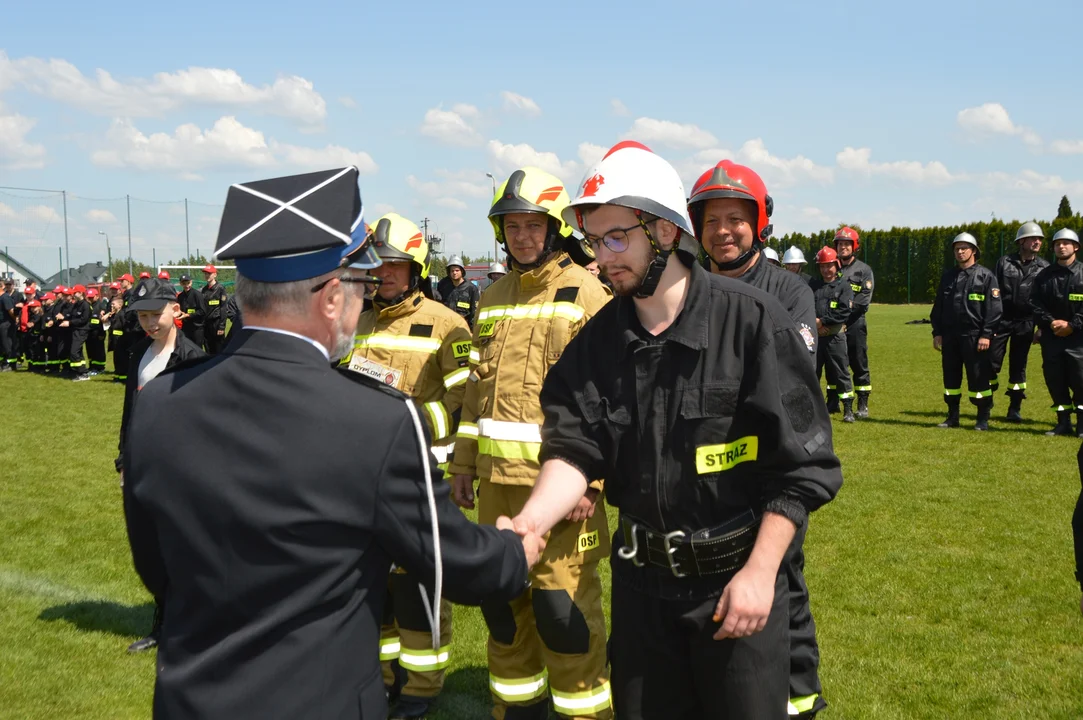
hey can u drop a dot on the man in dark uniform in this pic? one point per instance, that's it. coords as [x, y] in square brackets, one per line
[965, 314]
[194, 309]
[234, 315]
[1057, 302]
[77, 322]
[1077, 528]
[125, 330]
[847, 243]
[95, 340]
[7, 325]
[730, 211]
[689, 395]
[62, 330]
[215, 299]
[1015, 276]
[273, 569]
[834, 301]
[458, 293]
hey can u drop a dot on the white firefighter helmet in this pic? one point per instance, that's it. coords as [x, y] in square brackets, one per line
[455, 260]
[496, 268]
[632, 176]
[794, 256]
[1067, 234]
[967, 239]
[1029, 230]
[771, 255]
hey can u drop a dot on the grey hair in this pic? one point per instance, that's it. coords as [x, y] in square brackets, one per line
[261, 298]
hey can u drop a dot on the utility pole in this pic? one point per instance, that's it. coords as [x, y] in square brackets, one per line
[128, 198]
[67, 253]
[186, 248]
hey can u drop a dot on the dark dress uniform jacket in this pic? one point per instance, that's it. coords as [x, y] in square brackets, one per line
[1016, 279]
[794, 294]
[719, 414]
[270, 528]
[967, 303]
[862, 283]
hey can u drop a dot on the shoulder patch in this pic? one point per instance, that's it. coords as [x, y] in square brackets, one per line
[868, 284]
[420, 330]
[996, 292]
[565, 262]
[566, 294]
[370, 382]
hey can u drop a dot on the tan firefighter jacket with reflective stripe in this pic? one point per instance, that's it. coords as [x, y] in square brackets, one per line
[523, 323]
[421, 348]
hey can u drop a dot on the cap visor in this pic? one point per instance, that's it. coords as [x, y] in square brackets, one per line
[149, 304]
[363, 258]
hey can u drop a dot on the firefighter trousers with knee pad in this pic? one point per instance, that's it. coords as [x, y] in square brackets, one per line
[831, 355]
[667, 665]
[76, 360]
[550, 641]
[1062, 365]
[961, 351]
[95, 351]
[406, 636]
[1014, 343]
[857, 347]
[806, 693]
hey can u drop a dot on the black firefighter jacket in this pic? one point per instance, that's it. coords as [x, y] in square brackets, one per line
[1058, 295]
[967, 303]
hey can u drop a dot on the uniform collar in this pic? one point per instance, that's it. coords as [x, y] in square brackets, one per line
[692, 326]
[539, 277]
[407, 306]
[266, 335]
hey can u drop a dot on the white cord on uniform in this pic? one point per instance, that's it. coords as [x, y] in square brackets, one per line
[432, 611]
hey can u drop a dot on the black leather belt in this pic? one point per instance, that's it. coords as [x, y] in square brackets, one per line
[713, 551]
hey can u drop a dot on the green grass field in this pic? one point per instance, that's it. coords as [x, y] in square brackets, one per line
[941, 577]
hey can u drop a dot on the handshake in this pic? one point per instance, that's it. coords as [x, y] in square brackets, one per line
[533, 542]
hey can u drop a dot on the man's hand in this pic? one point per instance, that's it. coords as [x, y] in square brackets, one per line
[745, 604]
[462, 491]
[533, 543]
[585, 508]
[64, 324]
[938, 342]
[221, 332]
[983, 344]
[1037, 334]
[1061, 328]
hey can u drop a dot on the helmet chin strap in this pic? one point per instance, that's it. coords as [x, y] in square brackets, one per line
[379, 302]
[740, 261]
[547, 249]
[658, 263]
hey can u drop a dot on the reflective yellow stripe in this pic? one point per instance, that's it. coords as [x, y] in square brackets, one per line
[443, 453]
[845, 395]
[1018, 386]
[456, 378]
[800, 705]
[440, 421]
[722, 457]
[979, 297]
[953, 392]
[95, 321]
[389, 648]
[475, 356]
[422, 661]
[568, 311]
[834, 304]
[863, 388]
[580, 703]
[504, 430]
[118, 332]
[397, 342]
[1062, 408]
[1073, 297]
[509, 449]
[214, 302]
[981, 394]
[519, 689]
[468, 430]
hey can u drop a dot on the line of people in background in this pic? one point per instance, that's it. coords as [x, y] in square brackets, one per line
[67, 332]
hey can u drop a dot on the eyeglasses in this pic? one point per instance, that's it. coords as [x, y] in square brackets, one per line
[616, 239]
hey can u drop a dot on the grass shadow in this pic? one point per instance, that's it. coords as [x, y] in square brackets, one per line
[1029, 427]
[465, 694]
[102, 616]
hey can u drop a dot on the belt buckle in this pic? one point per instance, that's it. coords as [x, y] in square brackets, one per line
[630, 553]
[666, 539]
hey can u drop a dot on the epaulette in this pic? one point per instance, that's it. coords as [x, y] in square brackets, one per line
[371, 382]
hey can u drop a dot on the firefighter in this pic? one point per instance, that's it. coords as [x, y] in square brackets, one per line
[496, 271]
[62, 331]
[1057, 302]
[965, 314]
[194, 309]
[1015, 276]
[689, 395]
[8, 323]
[772, 256]
[95, 339]
[551, 640]
[124, 329]
[48, 319]
[215, 299]
[730, 212]
[834, 302]
[77, 323]
[794, 261]
[458, 293]
[421, 348]
[35, 349]
[1077, 528]
[847, 243]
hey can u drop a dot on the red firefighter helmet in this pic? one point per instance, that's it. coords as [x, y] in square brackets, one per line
[826, 255]
[848, 233]
[727, 179]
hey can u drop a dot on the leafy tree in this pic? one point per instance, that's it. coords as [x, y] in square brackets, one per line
[1064, 211]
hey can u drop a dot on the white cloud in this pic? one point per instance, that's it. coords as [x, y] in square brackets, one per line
[453, 203]
[507, 158]
[619, 109]
[993, 118]
[347, 102]
[16, 152]
[288, 96]
[451, 126]
[781, 172]
[378, 211]
[463, 184]
[859, 160]
[466, 110]
[1067, 147]
[228, 144]
[514, 102]
[43, 213]
[692, 167]
[1030, 182]
[674, 135]
[101, 217]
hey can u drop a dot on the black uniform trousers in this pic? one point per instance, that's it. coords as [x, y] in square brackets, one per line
[6, 349]
[1077, 522]
[666, 665]
[1062, 365]
[960, 351]
[193, 333]
[122, 346]
[62, 346]
[95, 350]
[76, 360]
[805, 689]
[831, 352]
[36, 357]
[1014, 342]
[857, 345]
[213, 341]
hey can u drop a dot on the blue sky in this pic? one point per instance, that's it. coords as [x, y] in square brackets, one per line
[879, 114]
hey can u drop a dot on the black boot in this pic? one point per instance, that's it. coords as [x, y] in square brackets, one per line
[1064, 424]
[862, 404]
[410, 708]
[848, 410]
[952, 420]
[983, 417]
[832, 402]
[1014, 406]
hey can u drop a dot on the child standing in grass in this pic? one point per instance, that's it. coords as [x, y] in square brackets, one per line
[155, 303]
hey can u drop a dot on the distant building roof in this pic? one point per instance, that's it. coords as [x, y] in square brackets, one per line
[87, 274]
[23, 269]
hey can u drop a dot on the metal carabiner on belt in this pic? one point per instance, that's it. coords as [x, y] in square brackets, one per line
[669, 537]
[626, 553]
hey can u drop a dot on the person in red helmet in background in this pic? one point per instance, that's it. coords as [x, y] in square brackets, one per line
[859, 275]
[95, 339]
[834, 302]
[163, 274]
[144, 275]
[124, 330]
[61, 331]
[77, 322]
[730, 212]
[214, 323]
[35, 347]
